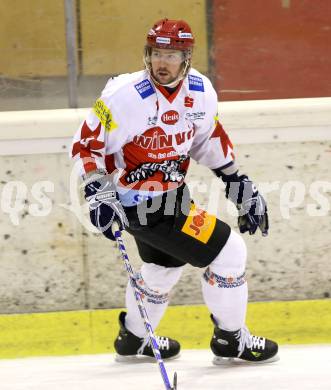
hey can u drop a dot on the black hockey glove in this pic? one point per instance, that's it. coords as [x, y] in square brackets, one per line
[250, 204]
[105, 207]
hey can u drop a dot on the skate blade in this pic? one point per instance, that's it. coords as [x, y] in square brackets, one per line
[134, 359]
[225, 361]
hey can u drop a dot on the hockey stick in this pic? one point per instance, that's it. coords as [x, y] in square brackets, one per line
[142, 310]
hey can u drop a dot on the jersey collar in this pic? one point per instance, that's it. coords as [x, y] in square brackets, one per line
[169, 96]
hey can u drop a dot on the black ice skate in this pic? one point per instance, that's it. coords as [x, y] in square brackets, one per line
[130, 347]
[240, 344]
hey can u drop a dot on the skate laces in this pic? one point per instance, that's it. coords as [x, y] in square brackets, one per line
[245, 339]
[162, 342]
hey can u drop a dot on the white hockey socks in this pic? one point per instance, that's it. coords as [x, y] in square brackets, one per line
[224, 286]
[155, 283]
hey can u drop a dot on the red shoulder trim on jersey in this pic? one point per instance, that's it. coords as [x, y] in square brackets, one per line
[88, 145]
[219, 132]
[170, 96]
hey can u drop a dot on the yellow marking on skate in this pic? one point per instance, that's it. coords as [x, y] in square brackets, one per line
[91, 332]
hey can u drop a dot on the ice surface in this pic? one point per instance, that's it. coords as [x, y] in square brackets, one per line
[299, 367]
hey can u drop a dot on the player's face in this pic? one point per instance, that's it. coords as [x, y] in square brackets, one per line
[166, 64]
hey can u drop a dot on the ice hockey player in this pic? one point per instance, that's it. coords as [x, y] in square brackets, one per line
[133, 152]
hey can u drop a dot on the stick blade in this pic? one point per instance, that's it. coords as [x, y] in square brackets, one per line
[175, 382]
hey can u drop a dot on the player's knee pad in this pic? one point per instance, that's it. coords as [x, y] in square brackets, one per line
[160, 279]
[229, 265]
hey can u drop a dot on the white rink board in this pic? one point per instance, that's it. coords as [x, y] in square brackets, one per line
[299, 367]
[247, 122]
[286, 143]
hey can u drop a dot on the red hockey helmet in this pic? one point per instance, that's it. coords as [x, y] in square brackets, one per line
[170, 34]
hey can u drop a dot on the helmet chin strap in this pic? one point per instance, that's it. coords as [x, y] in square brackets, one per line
[182, 74]
[170, 85]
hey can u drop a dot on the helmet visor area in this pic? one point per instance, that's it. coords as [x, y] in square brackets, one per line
[168, 56]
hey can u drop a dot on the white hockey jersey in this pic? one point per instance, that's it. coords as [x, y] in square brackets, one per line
[150, 135]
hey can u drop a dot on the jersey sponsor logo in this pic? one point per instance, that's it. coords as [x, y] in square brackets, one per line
[224, 282]
[163, 40]
[158, 140]
[185, 35]
[170, 117]
[152, 120]
[105, 116]
[195, 83]
[193, 116]
[171, 170]
[141, 198]
[145, 89]
[153, 296]
[188, 101]
[199, 224]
